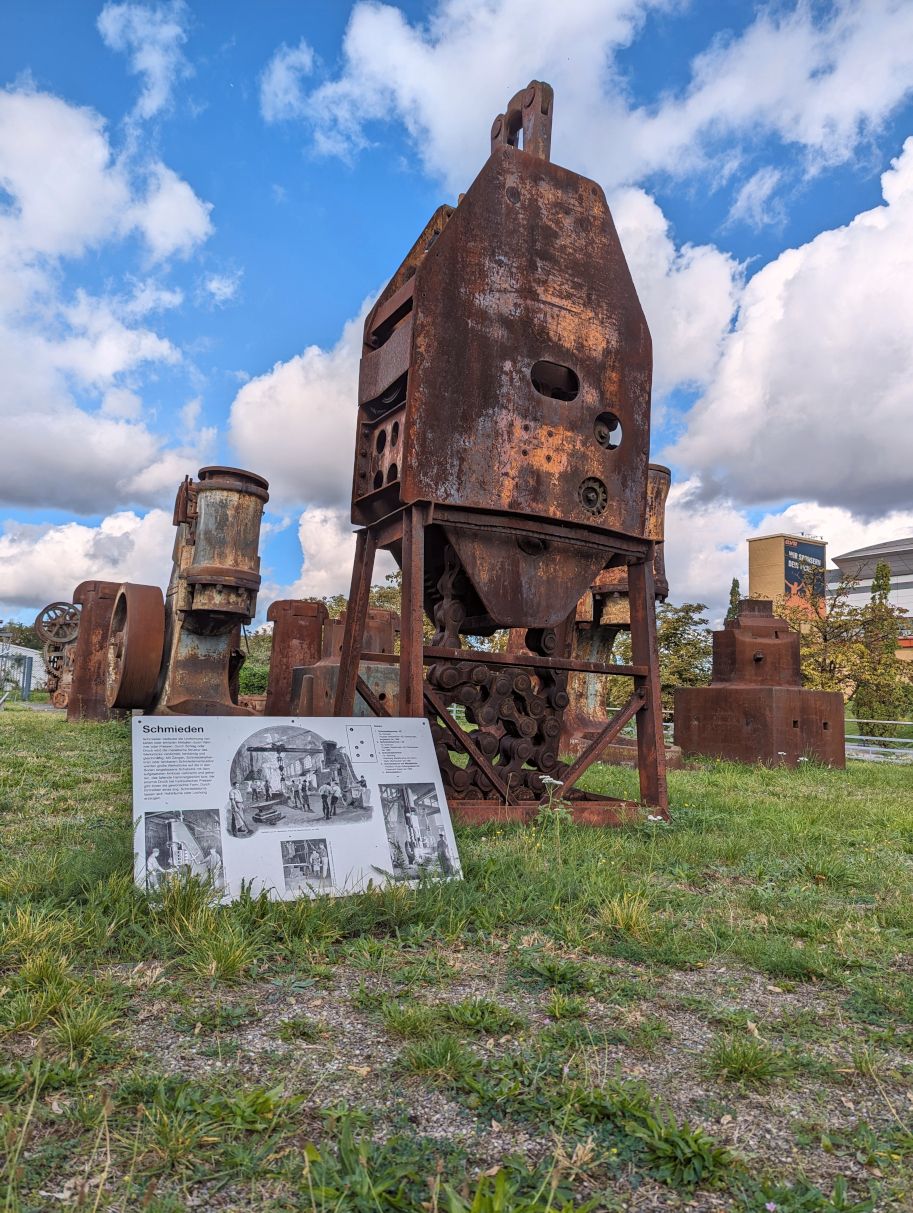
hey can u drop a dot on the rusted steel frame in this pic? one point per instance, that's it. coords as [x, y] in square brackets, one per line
[465, 742]
[378, 708]
[529, 110]
[521, 660]
[588, 812]
[651, 746]
[356, 616]
[594, 751]
[411, 669]
[539, 663]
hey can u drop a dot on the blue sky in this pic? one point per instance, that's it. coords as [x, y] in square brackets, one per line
[197, 199]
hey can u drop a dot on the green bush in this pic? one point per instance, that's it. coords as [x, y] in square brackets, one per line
[254, 678]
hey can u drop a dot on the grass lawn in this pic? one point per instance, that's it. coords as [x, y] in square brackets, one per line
[715, 1014]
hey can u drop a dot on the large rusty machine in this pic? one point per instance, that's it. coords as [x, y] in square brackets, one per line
[57, 626]
[179, 654]
[501, 457]
[755, 708]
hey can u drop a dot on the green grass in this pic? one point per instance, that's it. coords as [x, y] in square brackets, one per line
[164, 1053]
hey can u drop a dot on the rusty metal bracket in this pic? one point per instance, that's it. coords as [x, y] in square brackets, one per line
[528, 113]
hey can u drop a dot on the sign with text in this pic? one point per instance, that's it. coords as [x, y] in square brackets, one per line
[294, 806]
[804, 567]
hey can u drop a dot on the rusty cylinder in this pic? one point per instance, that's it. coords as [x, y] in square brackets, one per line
[224, 569]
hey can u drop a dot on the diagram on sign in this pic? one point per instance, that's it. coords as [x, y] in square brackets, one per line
[361, 744]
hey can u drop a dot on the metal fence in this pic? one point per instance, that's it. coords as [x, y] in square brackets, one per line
[870, 747]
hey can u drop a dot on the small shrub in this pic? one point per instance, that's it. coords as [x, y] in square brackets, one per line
[628, 914]
[482, 1015]
[301, 1028]
[565, 1006]
[738, 1057]
[679, 1155]
[440, 1057]
[414, 1020]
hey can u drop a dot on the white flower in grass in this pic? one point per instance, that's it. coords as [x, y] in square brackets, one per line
[650, 817]
[551, 783]
[803, 759]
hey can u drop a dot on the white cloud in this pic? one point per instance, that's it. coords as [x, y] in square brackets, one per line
[152, 37]
[821, 80]
[755, 203]
[688, 294]
[296, 423]
[39, 564]
[813, 396]
[221, 289]
[707, 541]
[281, 92]
[69, 195]
[171, 217]
[328, 547]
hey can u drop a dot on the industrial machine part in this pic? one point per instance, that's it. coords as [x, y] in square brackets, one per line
[297, 641]
[57, 626]
[755, 709]
[315, 686]
[178, 654]
[501, 456]
[87, 698]
[602, 614]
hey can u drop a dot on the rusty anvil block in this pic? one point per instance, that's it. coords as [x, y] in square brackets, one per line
[178, 654]
[755, 709]
[315, 683]
[90, 660]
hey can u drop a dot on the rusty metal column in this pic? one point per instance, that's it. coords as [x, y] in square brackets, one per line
[650, 741]
[411, 668]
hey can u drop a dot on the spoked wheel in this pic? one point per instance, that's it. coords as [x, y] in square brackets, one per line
[58, 622]
[136, 641]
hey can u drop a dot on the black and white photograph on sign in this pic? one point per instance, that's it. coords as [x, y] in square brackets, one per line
[416, 831]
[306, 866]
[183, 843]
[285, 777]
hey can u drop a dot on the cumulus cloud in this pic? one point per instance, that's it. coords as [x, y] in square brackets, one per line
[688, 294]
[297, 422]
[281, 91]
[39, 564]
[819, 79]
[812, 397]
[328, 548]
[171, 217]
[75, 435]
[152, 37]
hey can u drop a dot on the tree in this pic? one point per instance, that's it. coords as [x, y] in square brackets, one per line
[735, 597]
[884, 689]
[850, 647]
[685, 646]
[22, 633]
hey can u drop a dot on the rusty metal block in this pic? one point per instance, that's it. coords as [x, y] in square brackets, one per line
[297, 641]
[179, 654]
[87, 698]
[755, 709]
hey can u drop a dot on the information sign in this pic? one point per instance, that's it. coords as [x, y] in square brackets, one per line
[296, 807]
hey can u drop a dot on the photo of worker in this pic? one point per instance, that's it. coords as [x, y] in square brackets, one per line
[286, 777]
[183, 843]
[420, 837]
[306, 866]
